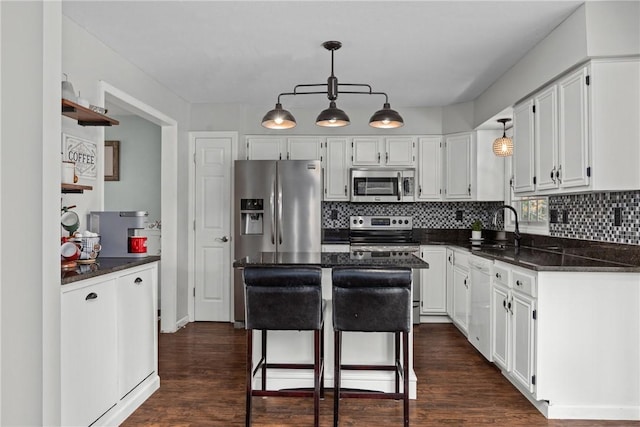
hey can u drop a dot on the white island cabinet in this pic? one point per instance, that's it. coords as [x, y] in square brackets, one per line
[109, 345]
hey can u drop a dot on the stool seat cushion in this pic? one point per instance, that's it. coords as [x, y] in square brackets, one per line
[283, 298]
[371, 299]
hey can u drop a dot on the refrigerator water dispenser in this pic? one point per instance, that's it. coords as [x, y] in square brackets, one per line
[251, 216]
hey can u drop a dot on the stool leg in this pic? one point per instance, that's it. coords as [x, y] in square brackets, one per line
[249, 376]
[337, 342]
[316, 377]
[397, 361]
[322, 362]
[405, 368]
[264, 358]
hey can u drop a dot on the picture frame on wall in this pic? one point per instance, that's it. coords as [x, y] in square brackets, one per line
[112, 160]
[83, 153]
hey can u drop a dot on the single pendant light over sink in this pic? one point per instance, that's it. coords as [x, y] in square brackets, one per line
[503, 146]
[279, 118]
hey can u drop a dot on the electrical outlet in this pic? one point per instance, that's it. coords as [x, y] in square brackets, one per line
[458, 215]
[565, 216]
[334, 214]
[553, 216]
[617, 217]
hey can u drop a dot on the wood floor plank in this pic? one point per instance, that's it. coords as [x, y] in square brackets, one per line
[202, 383]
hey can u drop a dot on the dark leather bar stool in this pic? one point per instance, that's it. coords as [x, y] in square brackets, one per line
[372, 300]
[285, 299]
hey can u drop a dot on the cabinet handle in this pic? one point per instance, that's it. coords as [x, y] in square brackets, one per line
[511, 182]
[345, 190]
[553, 172]
[386, 157]
[518, 283]
[450, 260]
[498, 276]
[378, 157]
[469, 189]
[558, 172]
[137, 281]
[92, 295]
[465, 283]
[504, 304]
[420, 190]
[509, 307]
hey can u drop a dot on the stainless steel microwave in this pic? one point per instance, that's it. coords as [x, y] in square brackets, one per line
[382, 185]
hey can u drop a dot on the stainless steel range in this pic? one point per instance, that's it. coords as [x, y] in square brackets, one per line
[388, 237]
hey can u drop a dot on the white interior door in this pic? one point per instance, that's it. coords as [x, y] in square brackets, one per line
[212, 228]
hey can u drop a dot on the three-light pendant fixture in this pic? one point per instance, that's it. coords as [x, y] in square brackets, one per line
[386, 118]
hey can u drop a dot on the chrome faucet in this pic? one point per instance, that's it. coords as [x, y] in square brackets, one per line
[516, 232]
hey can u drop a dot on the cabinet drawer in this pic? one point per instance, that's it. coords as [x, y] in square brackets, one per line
[501, 275]
[461, 259]
[525, 283]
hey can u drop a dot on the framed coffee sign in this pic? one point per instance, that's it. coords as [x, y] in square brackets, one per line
[83, 153]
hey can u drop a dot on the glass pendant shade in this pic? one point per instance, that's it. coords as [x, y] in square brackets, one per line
[503, 147]
[386, 118]
[278, 118]
[332, 117]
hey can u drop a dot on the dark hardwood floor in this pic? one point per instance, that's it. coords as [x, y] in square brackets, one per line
[202, 382]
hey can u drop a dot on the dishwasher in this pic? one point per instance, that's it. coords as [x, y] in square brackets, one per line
[480, 310]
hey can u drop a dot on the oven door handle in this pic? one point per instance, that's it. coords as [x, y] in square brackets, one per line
[399, 186]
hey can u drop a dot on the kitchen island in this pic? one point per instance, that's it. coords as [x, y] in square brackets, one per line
[358, 347]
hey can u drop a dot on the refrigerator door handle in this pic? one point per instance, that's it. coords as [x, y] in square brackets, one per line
[280, 207]
[273, 213]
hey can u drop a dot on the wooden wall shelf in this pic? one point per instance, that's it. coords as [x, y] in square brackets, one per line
[85, 116]
[75, 188]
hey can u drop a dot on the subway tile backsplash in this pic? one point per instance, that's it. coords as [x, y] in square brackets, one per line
[592, 216]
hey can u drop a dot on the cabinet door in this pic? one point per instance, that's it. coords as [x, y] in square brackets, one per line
[433, 281]
[429, 168]
[336, 170]
[400, 151]
[523, 340]
[366, 151]
[450, 255]
[304, 149]
[501, 325]
[523, 147]
[461, 298]
[265, 148]
[136, 328]
[546, 139]
[458, 168]
[573, 127]
[89, 379]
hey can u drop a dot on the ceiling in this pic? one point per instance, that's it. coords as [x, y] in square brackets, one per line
[421, 53]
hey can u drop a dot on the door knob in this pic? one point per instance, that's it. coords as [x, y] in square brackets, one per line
[222, 239]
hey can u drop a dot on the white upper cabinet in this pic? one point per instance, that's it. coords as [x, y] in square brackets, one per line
[430, 168]
[278, 148]
[581, 132]
[523, 147]
[390, 151]
[458, 166]
[336, 169]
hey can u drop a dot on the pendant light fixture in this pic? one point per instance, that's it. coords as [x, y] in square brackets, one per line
[279, 118]
[503, 146]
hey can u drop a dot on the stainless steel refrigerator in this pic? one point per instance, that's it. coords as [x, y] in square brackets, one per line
[277, 208]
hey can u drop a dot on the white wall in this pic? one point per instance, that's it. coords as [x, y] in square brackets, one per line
[613, 28]
[457, 118]
[139, 185]
[30, 169]
[87, 61]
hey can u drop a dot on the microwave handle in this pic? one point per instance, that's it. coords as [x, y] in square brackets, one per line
[399, 186]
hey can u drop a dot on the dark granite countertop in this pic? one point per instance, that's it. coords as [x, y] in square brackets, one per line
[103, 265]
[541, 253]
[325, 260]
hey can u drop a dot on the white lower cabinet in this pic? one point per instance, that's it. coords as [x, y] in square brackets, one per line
[461, 294]
[136, 331]
[109, 353]
[433, 281]
[89, 344]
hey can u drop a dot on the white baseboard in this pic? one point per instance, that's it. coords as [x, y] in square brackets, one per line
[132, 401]
[434, 318]
[182, 322]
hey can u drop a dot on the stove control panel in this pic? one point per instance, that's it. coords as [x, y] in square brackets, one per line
[381, 222]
